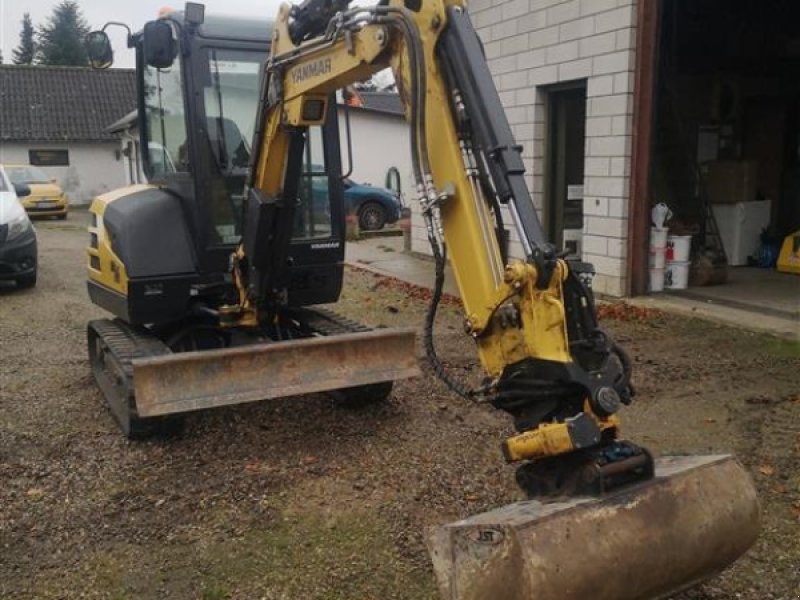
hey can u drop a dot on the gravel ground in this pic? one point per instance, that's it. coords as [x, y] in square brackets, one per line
[301, 499]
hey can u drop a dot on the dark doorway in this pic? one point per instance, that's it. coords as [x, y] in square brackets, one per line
[566, 140]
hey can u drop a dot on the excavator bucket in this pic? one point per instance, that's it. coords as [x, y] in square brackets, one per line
[644, 541]
[177, 383]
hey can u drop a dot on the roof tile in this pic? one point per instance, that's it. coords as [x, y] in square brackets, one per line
[59, 104]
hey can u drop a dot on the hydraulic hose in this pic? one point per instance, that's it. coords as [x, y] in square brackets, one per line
[401, 20]
[460, 388]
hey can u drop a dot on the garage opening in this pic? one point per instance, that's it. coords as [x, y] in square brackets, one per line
[726, 146]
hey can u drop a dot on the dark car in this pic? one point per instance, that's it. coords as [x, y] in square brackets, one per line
[18, 253]
[375, 206]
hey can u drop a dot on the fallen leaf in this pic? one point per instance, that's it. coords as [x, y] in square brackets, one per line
[35, 493]
[759, 400]
[780, 489]
[767, 470]
[309, 460]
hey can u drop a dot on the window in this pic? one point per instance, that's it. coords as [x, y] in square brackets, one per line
[165, 125]
[313, 212]
[230, 95]
[49, 158]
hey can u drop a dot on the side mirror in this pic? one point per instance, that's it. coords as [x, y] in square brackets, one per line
[98, 47]
[22, 190]
[159, 44]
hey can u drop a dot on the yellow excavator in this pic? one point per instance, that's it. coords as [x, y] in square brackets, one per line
[213, 269]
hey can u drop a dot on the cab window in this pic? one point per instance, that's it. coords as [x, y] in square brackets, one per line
[165, 122]
[230, 96]
[313, 212]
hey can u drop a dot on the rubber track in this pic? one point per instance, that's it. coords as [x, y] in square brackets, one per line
[126, 344]
[326, 322]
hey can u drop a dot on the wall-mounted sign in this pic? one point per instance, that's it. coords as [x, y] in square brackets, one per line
[49, 158]
[575, 192]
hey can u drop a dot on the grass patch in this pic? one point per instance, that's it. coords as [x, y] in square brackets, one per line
[783, 348]
[310, 556]
[215, 591]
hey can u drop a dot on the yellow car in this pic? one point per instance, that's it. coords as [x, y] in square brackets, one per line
[47, 199]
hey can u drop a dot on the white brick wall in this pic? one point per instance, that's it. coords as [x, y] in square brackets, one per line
[531, 44]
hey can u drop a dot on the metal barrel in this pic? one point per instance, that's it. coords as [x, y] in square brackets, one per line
[190, 381]
[648, 540]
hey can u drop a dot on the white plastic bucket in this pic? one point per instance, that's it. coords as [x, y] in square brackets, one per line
[658, 258]
[656, 280]
[676, 275]
[679, 248]
[658, 237]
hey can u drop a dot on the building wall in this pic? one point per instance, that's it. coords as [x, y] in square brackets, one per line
[532, 44]
[93, 168]
[132, 164]
[379, 141]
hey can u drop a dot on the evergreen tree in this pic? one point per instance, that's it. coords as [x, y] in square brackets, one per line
[24, 53]
[61, 39]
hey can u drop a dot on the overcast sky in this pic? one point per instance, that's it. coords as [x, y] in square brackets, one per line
[132, 12]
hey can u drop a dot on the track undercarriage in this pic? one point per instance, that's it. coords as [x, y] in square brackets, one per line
[129, 361]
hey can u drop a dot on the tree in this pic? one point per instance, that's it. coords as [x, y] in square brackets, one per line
[61, 39]
[24, 53]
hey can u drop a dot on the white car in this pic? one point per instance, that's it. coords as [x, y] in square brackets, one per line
[18, 253]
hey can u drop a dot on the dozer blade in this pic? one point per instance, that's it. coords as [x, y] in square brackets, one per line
[190, 381]
[647, 540]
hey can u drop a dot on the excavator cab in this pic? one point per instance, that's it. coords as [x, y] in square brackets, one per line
[160, 254]
[198, 93]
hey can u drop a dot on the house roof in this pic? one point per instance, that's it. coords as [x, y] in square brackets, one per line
[385, 102]
[61, 104]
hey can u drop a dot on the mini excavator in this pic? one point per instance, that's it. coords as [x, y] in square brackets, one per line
[213, 271]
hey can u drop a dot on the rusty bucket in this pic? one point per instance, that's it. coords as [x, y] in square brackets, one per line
[649, 540]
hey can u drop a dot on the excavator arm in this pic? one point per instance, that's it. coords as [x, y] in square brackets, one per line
[547, 362]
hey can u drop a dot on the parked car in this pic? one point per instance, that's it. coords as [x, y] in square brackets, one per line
[18, 254]
[375, 206]
[46, 199]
